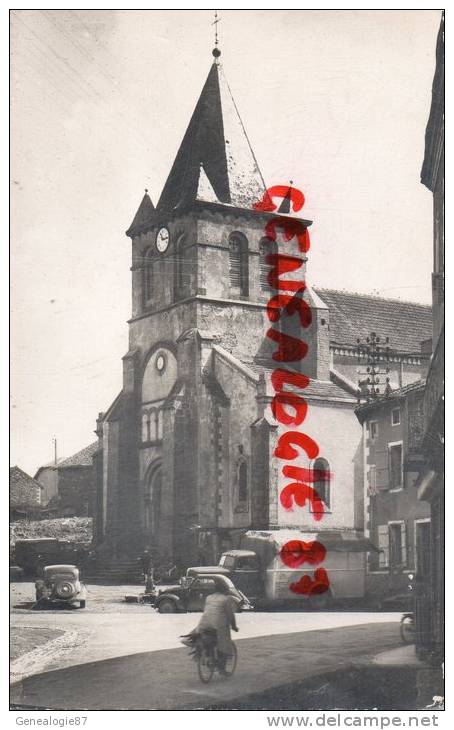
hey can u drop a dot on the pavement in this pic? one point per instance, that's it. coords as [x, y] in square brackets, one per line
[167, 679]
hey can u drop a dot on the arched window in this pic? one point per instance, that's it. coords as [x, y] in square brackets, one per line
[239, 264]
[266, 247]
[145, 426]
[152, 426]
[159, 424]
[152, 499]
[322, 480]
[181, 274]
[243, 491]
[148, 276]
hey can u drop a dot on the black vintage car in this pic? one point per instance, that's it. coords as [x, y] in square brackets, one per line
[191, 593]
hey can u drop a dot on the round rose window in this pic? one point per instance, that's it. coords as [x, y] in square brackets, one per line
[160, 363]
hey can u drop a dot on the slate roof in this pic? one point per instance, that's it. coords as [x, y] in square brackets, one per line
[357, 315]
[365, 408]
[324, 389]
[20, 478]
[82, 458]
[215, 161]
[144, 213]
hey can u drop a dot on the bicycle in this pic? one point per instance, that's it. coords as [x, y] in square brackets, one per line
[407, 628]
[207, 658]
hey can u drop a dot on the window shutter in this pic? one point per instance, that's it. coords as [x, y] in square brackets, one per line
[264, 267]
[395, 466]
[404, 543]
[381, 468]
[235, 264]
[372, 478]
[383, 544]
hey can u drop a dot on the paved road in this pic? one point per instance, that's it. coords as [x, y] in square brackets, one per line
[167, 679]
[112, 628]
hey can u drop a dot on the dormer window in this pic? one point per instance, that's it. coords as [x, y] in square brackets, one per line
[239, 264]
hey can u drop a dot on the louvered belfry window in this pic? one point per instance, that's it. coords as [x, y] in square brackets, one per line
[148, 276]
[238, 264]
[266, 247]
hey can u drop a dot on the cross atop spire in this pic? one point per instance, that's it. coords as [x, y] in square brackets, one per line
[216, 52]
[216, 21]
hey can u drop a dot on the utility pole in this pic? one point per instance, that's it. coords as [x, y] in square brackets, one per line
[54, 441]
[373, 382]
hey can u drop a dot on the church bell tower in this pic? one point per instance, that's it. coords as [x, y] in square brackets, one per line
[199, 282]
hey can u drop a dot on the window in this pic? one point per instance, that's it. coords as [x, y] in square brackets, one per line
[266, 247]
[145, 426]
[239, 263]
[241, 487]
[322, 480]
[242, 482]
[395, 416]
[227, 561]
[395, 466]
[247, 563]
[182, 268]
[383, 546]
[148, 276]
[159, 424]
[372, 476]
[397, 546]
[373, 430]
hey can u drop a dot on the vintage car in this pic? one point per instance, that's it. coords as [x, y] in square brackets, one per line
[60, 583]
[192, 591]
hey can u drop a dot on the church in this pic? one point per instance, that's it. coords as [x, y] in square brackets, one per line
[185, 463]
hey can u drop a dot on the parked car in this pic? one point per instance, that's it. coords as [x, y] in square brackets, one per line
[60, 583]
[191, 593]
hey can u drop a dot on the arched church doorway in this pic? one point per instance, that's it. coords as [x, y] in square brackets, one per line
[152, 506]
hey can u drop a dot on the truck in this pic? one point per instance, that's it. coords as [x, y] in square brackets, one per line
[32, 554]
[258, 570]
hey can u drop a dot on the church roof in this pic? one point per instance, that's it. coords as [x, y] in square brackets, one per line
[353, 316]
[142, 217]
[215, 162]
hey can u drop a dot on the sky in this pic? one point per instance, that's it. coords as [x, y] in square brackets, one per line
[336, 101]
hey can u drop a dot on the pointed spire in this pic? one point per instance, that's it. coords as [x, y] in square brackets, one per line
[286, 205]
[216, 140]
[142, 218]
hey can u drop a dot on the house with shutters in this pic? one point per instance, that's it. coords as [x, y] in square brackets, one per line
[185, 463]
[395, 520]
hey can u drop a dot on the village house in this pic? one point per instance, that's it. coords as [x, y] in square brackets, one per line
[185, 462]
[395, 520]
[24, 494]
[68, 487]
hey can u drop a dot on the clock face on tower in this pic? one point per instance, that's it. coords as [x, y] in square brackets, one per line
[162, 240]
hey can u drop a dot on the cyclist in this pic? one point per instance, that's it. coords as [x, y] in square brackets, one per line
[219, 615]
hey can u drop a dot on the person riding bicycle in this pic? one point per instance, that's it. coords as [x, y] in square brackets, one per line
[219, 615]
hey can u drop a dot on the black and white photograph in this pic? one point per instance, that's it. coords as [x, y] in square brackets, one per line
[226, 485]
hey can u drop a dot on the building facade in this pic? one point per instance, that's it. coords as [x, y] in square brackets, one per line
[68, 488]
[430, 601]
[395, 520]
[185, 461]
